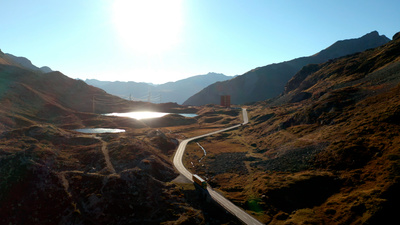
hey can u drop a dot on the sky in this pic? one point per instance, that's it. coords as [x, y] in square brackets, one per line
[158, 41]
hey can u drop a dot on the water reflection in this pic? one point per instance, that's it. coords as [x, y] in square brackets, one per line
[99, 130]
[146, 115]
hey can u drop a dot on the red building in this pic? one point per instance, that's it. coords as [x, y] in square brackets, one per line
[226, 101]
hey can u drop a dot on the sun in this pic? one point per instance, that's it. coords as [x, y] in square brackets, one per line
[148, 26]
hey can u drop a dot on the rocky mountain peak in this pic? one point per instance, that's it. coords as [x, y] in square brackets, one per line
[269, 81]
[374, 36]
[396, 36]
[45, 69]
[348, 46]
[23, 63]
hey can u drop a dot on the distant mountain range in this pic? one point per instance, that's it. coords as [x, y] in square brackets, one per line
[22, 62]
[256, 85]
[177, 91]
[269, 81]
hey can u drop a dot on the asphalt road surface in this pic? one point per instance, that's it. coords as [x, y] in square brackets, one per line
[228, 205]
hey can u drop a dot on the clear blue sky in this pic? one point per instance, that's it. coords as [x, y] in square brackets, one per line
[149, 41]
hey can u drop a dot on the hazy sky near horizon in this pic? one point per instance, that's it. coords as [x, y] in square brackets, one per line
[158, 41]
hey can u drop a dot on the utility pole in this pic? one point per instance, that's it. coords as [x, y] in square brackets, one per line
[93, 104]
[149, 97]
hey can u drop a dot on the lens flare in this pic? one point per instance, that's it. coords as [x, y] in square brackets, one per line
[150, 26]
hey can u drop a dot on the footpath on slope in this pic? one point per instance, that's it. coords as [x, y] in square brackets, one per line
[106, 155]
[104, 150]
[218, 198]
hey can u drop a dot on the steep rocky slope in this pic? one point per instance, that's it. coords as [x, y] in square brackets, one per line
[4, 60]
[324, 152]
[268, 81]
[28, 97]
[9, 59]
[27, 64]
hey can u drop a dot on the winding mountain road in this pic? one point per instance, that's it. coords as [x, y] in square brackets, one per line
[225, 203]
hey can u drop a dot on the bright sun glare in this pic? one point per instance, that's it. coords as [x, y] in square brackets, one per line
[148, 26]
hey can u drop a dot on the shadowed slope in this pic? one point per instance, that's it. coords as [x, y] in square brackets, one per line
[269, 81]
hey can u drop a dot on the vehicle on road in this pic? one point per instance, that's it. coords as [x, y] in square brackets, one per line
[200, 181]
[221, 200]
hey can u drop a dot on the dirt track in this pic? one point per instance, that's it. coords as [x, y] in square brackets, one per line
[106, 155]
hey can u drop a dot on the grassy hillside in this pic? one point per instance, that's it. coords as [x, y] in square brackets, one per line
[269, 81]
[324, 152]
[28, 97]
[50, 174]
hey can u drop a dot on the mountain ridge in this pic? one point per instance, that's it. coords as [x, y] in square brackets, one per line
[176, 91]
[30, 97]
[326, 151]
[22, 62]
[269, 81]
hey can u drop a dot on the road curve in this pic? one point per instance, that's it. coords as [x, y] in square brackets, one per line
[228, 205]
